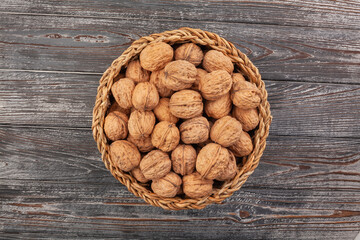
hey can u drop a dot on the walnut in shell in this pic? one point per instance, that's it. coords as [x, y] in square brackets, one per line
[215, 60]
[115, 107]
[194, 186]
[165, 136]
[186, 104]
[145, 96]
[243, 146]
[249, 118]
[218, 108]
[212, 161]
[138, 175]
[142, 143]
[122, 91]
[115, 126]
[200, 73]
[124, 155]
[244, 94]
[226, 131]
[183, 159]
[230, 170]
[156, 55]
[215, 84]
[162, 111]
[167, 186]
[195, 130]
[157, 78]
[136, 72]
[155, 164]
[179, 75]
[189, 52]
[141, 124]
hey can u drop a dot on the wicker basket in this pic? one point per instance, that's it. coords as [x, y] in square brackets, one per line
[242, 63]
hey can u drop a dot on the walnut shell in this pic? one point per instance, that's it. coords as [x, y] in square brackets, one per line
[226, 131]
[195, 130]
[115, 107]
[142, 143]
[136, 72]
[155, 164]
[231, 169]
[244, 94]
[179, 75]
[124, 155]
[186, 104]
[249, 118]
[215, 60]
[167, 186]
[141, 124]
[194, 186]
[115, 126]
[200, 73]
[138, 175]
[145, 96]
[243, 146]
[215, 84]
[122, 91]
[218, 108]
[157, 78]
[183, 159]
[156, 55]
[212, 161]
[162, 111]
[165, 136]
[189, 52]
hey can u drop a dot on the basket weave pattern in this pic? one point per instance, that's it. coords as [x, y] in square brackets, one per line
[102, 103]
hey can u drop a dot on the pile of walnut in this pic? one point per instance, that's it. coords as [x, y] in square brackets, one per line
[184, 125]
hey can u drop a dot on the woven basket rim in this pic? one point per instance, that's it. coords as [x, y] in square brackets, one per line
[245, 66]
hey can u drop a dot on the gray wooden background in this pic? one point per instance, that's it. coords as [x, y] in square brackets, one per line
[53, 183]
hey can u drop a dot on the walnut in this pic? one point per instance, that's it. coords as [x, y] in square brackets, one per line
[189, 52]
[124, 155]
[138, 175]
[165, 136]
[244, 94]
[183, 159]
[156, 55]
[115, 107]
[143, 143]
[122, 91]
[115, 126]
[119, 76]
[155, 164]
[249, 118]
[212, 161]
[200, 73]
[195, 130]
[141, 124]
[194, 186]
[186, 104]
[218, 108]
[162, 111]
[226, 131]
[157, 79]
[167, 186]
[145, 96]
[231, 169]
[136, 72]
[243, 146]
[215, 84]
[215, 60]
[179, 75]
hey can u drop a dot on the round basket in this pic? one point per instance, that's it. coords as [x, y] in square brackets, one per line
[242, 64]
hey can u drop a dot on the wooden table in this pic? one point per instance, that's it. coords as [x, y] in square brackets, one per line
[53, 183]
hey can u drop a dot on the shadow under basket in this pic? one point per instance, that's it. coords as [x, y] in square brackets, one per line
[242, 64]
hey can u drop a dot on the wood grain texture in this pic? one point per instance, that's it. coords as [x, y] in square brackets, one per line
[58, 186]
[319, 13]
[90, 45]
[67, 100]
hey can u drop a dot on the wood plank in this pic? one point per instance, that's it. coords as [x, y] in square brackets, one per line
[319, 13]
[66, 100]
[90, 45]
[52, 182]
